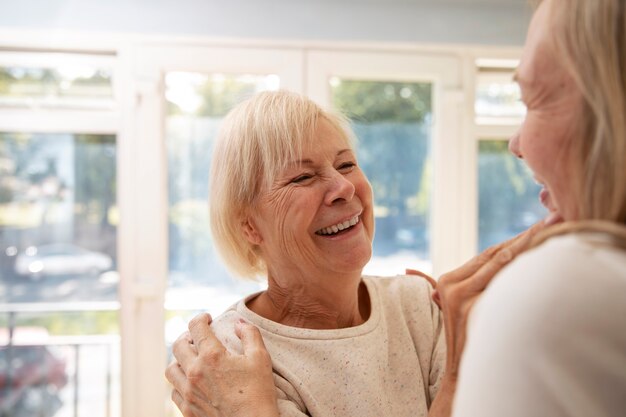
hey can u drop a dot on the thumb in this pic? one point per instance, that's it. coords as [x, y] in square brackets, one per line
[250, 336]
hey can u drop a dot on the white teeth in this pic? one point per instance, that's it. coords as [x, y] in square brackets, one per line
[339, 226]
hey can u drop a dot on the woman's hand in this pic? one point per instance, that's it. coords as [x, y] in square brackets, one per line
[458, 290]
[455, 294]
[209, 381]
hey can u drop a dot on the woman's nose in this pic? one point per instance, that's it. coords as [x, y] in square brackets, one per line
[339, 188]
[514, 145]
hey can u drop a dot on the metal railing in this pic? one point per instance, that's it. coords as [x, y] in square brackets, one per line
[30, 383]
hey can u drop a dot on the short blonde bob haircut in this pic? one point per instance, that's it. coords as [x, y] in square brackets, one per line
[590, 36]
[256, 141]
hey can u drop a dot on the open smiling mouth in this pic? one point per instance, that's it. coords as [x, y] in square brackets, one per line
[338, 228]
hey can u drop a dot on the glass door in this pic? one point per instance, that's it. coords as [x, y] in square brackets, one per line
[507, 193]
[59, 220]
[188, 91]
[403, 107]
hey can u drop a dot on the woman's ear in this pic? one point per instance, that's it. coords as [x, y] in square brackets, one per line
[250, 232]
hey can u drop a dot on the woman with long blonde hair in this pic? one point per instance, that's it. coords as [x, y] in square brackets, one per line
[547, 337]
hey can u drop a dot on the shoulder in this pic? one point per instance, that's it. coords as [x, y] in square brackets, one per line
[571, 283]
[551, 322]
[407, 295]
[401, 285]
[224, 328]
[576, 261]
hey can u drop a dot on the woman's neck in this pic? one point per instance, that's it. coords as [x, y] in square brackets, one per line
[307, 304]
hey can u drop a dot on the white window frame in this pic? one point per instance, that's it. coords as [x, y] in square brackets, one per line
[151, 274]
[444, 71]
[138, 122]
[104, 120]
[490, 128]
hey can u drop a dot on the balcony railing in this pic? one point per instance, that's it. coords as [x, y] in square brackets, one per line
[46, 375]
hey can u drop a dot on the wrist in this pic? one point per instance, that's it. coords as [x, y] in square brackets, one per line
[262, 411]
[448, 383]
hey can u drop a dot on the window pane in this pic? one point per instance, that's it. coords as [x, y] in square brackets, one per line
[59, 349]
[69, 85]
[196, 104]
[498, 96]
[58, 217]
[60, 364]
[508, 195]
[392, 121]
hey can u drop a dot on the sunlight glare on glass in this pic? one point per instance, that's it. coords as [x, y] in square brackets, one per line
[272, 82]
[182, 90]
[73, 72]
[499, 96]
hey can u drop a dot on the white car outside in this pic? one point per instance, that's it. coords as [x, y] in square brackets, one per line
[60, 259]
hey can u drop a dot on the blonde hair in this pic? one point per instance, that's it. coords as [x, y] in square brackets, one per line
[257, 140]
[590, 36]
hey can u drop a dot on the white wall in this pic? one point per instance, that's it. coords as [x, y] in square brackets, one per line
[487, 22]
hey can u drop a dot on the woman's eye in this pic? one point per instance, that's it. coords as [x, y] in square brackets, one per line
[347, 166]
[302, 178]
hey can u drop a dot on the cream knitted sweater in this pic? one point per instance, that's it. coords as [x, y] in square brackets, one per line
[391, 365]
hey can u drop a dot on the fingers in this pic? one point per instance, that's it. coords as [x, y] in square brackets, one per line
[175, 375]
[502, 257]
[517, 243]
[437, 298]
[189, 409]
[184, 408]
[488, 270]
[203, 337]
[251, 339]
[428, 278]
[184, 350]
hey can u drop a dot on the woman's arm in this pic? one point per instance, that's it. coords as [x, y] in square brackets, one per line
[209, 381]
[456, 293]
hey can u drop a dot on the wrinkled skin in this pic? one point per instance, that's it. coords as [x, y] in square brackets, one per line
[211, 382]
[208, 381]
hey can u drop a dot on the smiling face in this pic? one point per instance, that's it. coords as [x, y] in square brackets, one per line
[551, 126]
[317, 216]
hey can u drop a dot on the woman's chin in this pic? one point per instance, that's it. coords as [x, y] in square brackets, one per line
[545, 197]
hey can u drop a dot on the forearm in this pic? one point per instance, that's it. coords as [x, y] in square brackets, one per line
[442, 404]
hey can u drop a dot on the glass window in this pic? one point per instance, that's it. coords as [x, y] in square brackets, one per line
[59, 344]
[69, 84]
[392, 121]
[498, 96]
[508, 195]
[196, 104]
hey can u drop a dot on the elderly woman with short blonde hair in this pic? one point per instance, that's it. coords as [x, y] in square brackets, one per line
[290, 204]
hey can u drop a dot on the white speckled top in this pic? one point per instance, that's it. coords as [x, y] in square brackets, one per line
[548, 336]
[391, 365]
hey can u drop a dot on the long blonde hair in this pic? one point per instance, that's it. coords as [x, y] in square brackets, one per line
[590, 36]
